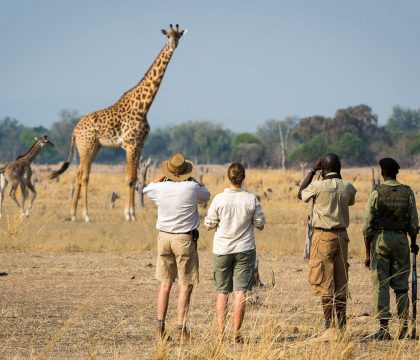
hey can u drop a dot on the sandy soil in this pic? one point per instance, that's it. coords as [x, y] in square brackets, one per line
[84, 305]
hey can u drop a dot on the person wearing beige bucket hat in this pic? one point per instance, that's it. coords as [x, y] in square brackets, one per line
[176, 194]
[177, 168]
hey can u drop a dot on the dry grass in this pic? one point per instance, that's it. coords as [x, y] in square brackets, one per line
[49, 227]
[70, 292]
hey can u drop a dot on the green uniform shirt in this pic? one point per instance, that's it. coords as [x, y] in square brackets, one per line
[413, 221]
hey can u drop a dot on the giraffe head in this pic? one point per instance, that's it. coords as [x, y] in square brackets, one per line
[43, 141]
[174, 34]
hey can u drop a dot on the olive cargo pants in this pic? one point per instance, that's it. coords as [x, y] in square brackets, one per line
[390, 265]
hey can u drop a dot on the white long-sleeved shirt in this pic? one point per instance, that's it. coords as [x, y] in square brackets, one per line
[234, 214]
[177, 204]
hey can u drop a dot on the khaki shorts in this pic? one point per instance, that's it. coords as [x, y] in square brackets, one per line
[328, 268]
[234, 272]
[177, 258]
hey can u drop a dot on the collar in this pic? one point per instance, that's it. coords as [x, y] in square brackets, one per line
[391, 183]
[331, 175]
[229, 190]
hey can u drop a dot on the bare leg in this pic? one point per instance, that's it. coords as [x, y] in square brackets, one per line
[163, 300]
[238, 310]
[3, 186]
[31, 187]
[184, 303]
[221, 311]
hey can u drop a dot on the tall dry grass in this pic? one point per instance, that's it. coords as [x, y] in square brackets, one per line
[292, 337]
[49, 227]
[274, 328]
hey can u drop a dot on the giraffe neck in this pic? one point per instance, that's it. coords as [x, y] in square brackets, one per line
[31, 154]
[145, 91]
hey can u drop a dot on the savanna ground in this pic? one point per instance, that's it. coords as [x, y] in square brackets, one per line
[77, 290]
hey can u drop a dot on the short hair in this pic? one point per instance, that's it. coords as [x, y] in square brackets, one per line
[389, 167]
[236, 174]
[332, 162]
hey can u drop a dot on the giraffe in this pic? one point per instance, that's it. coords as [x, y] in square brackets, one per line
[122, 125]
[19, 172]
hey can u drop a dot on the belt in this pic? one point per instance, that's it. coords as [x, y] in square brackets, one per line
[182, 233]
[330, 230]
[391, 231]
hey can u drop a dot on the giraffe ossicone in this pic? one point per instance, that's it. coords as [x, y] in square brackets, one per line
[122, 125]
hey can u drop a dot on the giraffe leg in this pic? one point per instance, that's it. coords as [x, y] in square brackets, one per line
[13, 193]
[132, 162]
[24, 192]
[87, 148]
[85, 164]
[85, 180]
[76, 194]
[3, 186]
[31, 187]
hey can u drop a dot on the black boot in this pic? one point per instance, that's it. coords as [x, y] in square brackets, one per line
[403, 309]
[340, 308]
[327, 307]
[383, 332]
[403, 333]
[161, 331]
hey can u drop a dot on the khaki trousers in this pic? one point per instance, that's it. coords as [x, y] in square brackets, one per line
[328, 268]
[177, 258]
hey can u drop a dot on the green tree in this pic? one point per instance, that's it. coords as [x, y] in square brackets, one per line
[10, 131]
[61, 133]
[403, 120]
[202, 141]
[310, 151]
[250, 154]
[157, 145]
[245, 138]
[350, 148]
[242, 153]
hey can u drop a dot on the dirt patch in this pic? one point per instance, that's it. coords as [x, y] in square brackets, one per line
[85, 305]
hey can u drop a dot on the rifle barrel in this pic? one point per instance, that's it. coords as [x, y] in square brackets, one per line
[414, 294]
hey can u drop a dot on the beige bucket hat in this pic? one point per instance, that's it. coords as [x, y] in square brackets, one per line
[177, 168]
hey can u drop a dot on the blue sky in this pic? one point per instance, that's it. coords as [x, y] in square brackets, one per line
[241, 63]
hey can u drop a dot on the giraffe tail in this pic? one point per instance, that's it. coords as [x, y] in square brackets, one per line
[64, 167]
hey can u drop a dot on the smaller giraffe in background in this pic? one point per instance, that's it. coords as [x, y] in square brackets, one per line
[19, 172]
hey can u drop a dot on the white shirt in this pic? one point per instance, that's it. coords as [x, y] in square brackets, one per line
[234, 213]
[177, 204]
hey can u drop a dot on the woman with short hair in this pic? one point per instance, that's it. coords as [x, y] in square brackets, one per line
[234, 214]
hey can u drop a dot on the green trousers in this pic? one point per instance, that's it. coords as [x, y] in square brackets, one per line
[390, 265]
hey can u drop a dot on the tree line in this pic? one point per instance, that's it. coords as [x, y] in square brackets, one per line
[353, 133]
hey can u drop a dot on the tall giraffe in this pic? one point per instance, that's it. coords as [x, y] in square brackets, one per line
[123, 125]
[19, 172]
